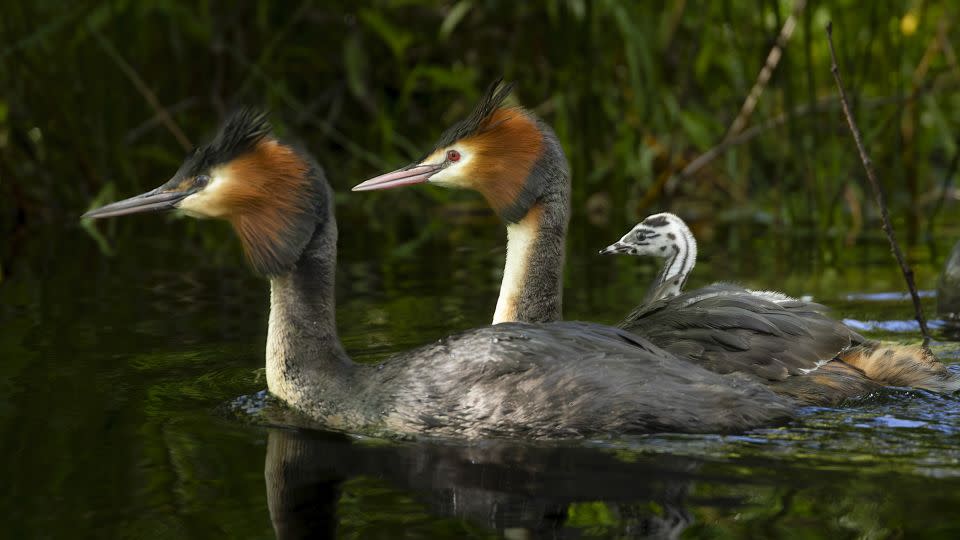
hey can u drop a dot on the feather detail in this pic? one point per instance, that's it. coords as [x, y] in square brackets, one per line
[505, 156]
[270, 201]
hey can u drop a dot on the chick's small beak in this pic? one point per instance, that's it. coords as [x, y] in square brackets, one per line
[157, 199]
[614, 248]
[406, 176]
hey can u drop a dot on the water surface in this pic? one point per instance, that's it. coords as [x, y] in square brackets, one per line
[116, 371]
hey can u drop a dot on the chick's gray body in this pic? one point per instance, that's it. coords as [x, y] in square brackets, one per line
[726, 328]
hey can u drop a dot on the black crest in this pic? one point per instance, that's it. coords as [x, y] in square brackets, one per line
[239, 134]
[479, 118]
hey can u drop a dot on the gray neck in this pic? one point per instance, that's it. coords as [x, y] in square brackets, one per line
[307, 366]
[532, 286]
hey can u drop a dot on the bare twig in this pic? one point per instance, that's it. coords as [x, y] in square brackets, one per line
[747, 135]
[773, 58]
[878, 194]
[144, 90]
[751, 133]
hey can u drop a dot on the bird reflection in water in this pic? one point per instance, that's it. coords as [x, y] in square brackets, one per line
[520, 491]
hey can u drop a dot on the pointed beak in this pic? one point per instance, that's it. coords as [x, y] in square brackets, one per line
[401, 177]
[150, 201]
[615, 248]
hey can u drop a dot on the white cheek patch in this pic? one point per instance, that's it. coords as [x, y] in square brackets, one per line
[208, 202]
[455, 173]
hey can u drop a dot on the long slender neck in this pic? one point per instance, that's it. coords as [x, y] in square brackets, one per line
[532, 286]
[676, 269]
[306, 364]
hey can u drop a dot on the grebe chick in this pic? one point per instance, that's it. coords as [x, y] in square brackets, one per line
[668, 237]
[558, 380]
[665, 236]
[515, 161]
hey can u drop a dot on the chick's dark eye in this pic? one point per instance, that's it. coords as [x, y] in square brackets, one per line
[453, 155]
[201, 180]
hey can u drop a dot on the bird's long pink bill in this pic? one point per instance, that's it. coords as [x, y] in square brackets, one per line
[146, 202]
[400, 177]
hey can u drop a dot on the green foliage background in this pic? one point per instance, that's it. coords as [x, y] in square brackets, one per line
[635, 91]
[111, 367]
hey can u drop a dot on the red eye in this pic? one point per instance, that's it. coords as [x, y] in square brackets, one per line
[453, 155]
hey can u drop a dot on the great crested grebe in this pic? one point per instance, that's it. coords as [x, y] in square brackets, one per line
[515, 161]
[668, 237]
[556, 380]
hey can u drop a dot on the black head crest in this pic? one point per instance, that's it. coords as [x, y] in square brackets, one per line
[239, 134]
[479, 117]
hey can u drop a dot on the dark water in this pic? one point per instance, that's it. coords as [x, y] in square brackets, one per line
[116, 371]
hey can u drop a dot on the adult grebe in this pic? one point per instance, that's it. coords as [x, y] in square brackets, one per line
[556, 380]
[515, 161]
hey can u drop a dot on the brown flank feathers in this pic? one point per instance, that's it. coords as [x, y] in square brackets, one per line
[902, 365]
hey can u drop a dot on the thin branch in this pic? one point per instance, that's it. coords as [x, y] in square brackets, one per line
[878, 193]
[753, 132]
[773, 58]
[144, 90]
